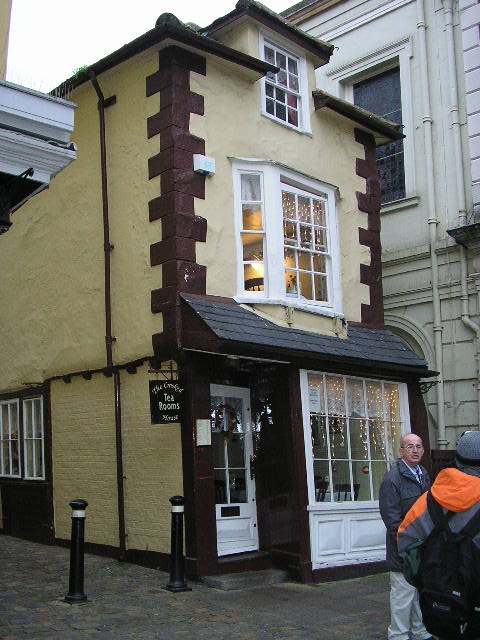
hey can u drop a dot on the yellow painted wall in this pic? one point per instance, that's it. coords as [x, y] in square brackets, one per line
[5, 10]
[329, 156]
[55, 311]
[84, 461]
[152, 457]
[83, 452]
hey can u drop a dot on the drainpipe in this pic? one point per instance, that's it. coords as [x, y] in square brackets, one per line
[459, 180]
[432, 223]
[107, 247]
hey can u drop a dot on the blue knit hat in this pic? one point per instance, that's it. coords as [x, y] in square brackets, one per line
[468, 449]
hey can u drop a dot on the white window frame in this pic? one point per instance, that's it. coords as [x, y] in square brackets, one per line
[15, 403]
[273, 175]
[340, 81]
[405, 428]
[273, 40]
[35, 441]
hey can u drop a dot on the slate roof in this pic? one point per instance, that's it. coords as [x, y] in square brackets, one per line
[233, 323]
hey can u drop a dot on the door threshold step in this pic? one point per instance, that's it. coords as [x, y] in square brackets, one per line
[246, 579]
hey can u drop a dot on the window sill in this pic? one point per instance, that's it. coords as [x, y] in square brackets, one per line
[299, 130]
[398, 205]
[293, 303]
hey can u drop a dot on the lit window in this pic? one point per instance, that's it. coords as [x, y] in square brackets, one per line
[381, 94]
[287, 238]
[355, 428]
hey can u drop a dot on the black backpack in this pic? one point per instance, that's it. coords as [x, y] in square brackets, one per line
[445, 568]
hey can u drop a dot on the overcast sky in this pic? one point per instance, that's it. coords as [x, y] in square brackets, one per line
[50, 39]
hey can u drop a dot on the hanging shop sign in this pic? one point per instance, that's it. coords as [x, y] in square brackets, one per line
[166, 401]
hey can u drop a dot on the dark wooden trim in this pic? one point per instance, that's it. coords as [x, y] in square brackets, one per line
[419, 420]
[198, 478]
[300, 466]
[180, 185]
[385, 130]
[369, 203]
[330, 574]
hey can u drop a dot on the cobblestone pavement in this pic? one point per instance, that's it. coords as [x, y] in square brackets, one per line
[126, 601]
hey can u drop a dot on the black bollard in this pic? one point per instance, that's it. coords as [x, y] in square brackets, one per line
[75, 587]
[177, 572]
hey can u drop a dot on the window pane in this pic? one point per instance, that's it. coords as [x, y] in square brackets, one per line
[289, 205]
[319, 436]
[335, 395]
[315, 393]
[29, 458]
[220, 486]
[341, 482]
[321, 476]
[337, 428]
[358, 438]
[252, 246]
[319, 264]
[238, 491]
[281, 111]
[355, 397]
[319, 213]
[15, 462]
[321, 289]
[361, 480]
[304, 261]
[290, 233]
[381, 95]
[38, 459]
[377, 439]
[28, 419]
[251, 188]
[269, 55]
[379, 469]
[304, 209]
[392, 402]
[252, 218]
[321, 240]
[374, 399]
[306, 285]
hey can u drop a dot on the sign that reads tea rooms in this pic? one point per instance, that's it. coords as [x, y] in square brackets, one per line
[166, 400]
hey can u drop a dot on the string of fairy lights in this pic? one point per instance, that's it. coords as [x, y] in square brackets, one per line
[344, 403]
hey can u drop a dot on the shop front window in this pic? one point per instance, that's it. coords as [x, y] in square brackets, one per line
[355, 427]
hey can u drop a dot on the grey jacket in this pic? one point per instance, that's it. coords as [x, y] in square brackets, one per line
[398, 492]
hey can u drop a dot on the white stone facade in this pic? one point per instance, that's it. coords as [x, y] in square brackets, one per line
[431, 283]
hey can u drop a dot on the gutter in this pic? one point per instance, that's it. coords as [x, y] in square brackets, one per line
[432, 224]
[109, 338]
[459, 178]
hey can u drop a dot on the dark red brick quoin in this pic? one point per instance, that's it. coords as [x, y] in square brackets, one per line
[179, 186]
[369, 203]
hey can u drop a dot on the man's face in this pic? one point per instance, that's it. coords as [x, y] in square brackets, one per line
[411, 450]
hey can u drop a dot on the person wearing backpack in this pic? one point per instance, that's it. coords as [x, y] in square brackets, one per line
[439, 540]
[400, 488]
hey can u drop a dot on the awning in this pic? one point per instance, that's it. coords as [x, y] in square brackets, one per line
[220, 325]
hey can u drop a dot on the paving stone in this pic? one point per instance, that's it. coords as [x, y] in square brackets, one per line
[128, 602]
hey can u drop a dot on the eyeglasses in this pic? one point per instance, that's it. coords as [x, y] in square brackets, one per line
[411, 447]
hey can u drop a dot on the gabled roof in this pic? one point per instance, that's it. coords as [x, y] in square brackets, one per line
[168, 30]
[257, 11]
[239, 331]
[382, 130]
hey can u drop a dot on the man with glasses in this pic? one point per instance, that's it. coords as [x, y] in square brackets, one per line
[400, 489]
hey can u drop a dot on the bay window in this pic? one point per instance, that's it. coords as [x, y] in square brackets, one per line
[353, 429]
[287, 238]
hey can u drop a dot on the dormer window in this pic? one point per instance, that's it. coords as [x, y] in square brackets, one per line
[284, 97]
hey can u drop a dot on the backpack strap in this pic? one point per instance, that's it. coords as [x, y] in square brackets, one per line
[439, 517]
[473, 526]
